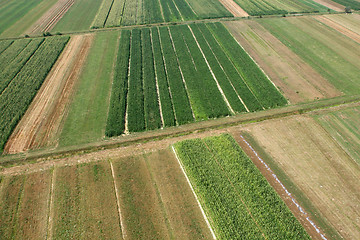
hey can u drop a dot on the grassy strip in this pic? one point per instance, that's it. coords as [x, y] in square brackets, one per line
[4, 44]
[299, 195]
[115, 15]
[171, 14]
[11, 52]
[89, 108]
[179, 96]
[102, 15]
[237, 197]
[218, 71]
[14, 67]
[165, 99]
[22, 89]
[209, 9]
[260, 85]
[116, 117]
[207, 101]
[151, 104]
[135, 101]
[152, 11]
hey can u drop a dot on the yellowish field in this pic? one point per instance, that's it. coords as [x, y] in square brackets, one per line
[318, 166]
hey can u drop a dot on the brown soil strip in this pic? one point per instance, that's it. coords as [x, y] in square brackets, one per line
[340, 28]
[235, 9]
[332, 5]
[42, 121]
[51, 17]
[318, 167]
[50, 221]
[296, 79]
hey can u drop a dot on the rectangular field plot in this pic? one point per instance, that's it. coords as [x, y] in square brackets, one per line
[236, 198]
[316, 164]
[344, 127]
[127, 12]
[274, 7]
[175, 75]
[334, 56]
[155, 199]
[25, 65]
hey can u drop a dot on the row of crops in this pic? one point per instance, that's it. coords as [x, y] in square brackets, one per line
[273, 7]
[125, 12]
[237, 199]
[174, 75]
[25, 64]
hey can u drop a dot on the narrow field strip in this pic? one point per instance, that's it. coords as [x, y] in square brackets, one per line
[44, 115]
[50, 220]
[234, 8]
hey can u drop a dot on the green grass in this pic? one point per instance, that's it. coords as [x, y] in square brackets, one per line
[334, 56]
[21, 26]
[79, 17]
[14, 10]
[88, 112]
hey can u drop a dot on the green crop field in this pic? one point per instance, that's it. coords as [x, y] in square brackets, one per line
[122, 12]
[272, 7]
[230, 186]
[334, 56]
[343, 126]
[175, 75]
[353, 4]
[26, 64]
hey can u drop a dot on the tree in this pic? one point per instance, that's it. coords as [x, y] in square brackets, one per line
[348, 9]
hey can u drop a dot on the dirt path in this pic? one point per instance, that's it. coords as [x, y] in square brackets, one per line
[42, 120]
[235, 9]
[297, 80]
[332, 5]
[51, 17]
[340, 28]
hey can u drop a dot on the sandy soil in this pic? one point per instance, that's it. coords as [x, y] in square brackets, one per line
[339, 27]
[51, 17]
[318, 166]
[332, 5]
[235, 9]
[296, 79]
[42, 120]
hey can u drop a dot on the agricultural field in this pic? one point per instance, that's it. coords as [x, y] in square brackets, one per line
[353, 4]
[296, 79]
[230, 186]
[130, 197]
[125, 12]
[343, 126]
[334, 56]
[273, 7]
[155, 86]
[317, 165]
[25, 65]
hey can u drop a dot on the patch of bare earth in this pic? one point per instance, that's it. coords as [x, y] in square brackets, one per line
[42, 121]
[235, 9]
[51, 17]
[318, 166]
[340, 28]
[332, 5]
[296, 79]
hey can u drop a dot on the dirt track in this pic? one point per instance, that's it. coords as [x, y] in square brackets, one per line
[235, 9]
[43, 118]
[51, 17]
[297, 80]
[340, 28]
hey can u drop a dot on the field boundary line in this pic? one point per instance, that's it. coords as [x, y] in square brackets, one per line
[49, 232]
[212, 73]
[191, 8]
[162, 11]
[192, 189]
[182, 18]
[123, 232]
[126, 127]
[182, 75]
[284, 188]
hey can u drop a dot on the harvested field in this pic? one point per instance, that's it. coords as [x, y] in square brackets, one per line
[51, 17]
[339, 27]
[317, 165]
[331, 5]
[42, 121]
[235, 9]
[296, 79]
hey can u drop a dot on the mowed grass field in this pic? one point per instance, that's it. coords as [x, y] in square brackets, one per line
[318, 166]
[144, 196]
[333, 55]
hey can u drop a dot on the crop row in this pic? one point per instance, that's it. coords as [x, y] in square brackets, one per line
[238, 200]
[18, 94]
